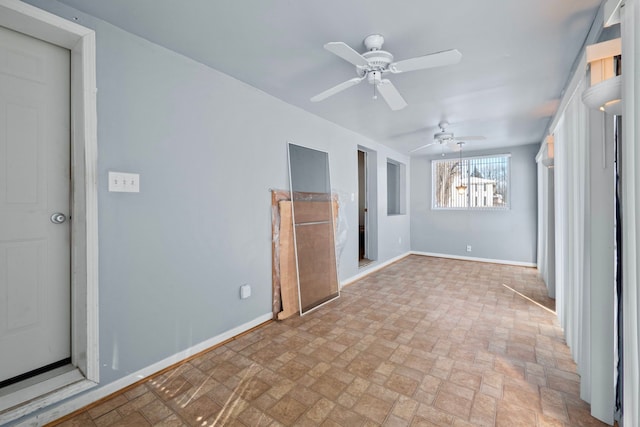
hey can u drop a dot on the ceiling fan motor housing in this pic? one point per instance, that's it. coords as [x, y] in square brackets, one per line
[378, 60]
[443, 136]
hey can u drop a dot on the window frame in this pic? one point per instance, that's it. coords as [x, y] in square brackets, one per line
[505, 207]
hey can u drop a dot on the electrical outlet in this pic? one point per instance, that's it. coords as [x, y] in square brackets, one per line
[468, 248]
[245, 291]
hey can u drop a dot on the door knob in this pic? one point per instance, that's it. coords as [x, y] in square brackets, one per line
[58, 218]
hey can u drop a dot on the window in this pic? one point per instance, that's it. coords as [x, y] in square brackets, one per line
[471, 183]
[395, 188]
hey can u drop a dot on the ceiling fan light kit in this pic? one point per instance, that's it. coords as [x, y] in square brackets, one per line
[376, 62]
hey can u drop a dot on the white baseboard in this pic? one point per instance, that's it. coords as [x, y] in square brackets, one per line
[374, 268]
[94, 395]
[468, 258]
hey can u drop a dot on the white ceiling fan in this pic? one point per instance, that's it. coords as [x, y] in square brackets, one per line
[374, 63]
[447, 138]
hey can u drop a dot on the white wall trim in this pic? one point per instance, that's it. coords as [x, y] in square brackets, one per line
[373, 269]
[467, 258]
[102, 392]
[80, 41]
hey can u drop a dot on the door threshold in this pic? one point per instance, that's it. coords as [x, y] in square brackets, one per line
[36, 373]
[15, 397]
[36, 379]
[363, 262]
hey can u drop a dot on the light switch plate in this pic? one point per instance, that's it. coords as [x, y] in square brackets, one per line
[124, 182]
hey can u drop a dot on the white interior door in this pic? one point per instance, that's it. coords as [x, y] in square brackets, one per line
[34, 184]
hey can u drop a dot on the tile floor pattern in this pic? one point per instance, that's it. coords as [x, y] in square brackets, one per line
[423, 342]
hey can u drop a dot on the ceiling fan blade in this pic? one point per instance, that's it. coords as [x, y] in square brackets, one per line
[391, 95]
[337, 88]
[422, 147]
[439, 59]
[345, 52]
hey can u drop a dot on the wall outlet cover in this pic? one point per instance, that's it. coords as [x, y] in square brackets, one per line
[245, 291]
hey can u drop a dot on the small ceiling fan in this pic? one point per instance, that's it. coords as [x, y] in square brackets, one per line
[374, 63]
[447, 138]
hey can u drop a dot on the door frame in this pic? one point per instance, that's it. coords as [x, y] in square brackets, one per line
[365, 217]
[371, 197]
[84, 372]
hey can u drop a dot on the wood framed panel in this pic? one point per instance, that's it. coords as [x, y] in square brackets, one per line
[313, 227]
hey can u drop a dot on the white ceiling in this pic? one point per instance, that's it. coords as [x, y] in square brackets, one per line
[516, 57]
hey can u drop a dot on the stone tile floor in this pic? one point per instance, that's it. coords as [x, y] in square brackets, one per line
[423, 342]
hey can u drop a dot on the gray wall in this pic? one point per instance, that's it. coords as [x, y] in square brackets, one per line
[208, 149]
[499, 235]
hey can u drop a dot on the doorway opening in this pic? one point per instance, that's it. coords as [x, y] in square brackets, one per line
[367, 201]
